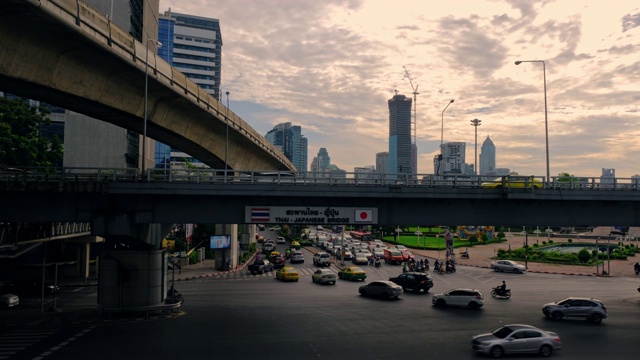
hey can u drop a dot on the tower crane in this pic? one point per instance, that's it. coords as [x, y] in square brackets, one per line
[414, 87]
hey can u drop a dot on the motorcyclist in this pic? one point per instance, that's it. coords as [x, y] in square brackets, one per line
[287, 253]
[436, 265]
[501, 289]
[636, 268]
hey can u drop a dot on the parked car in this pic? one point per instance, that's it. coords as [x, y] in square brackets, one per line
[517, 339]
[280, 240]
[324, 276]
[576, 307]
[297, 256]
[469, 298]
[352, 273]
[382, 288]
[287, 273]
[321, 259]
[416, 281]
[260, 266]
[508, 265]
[9, 300]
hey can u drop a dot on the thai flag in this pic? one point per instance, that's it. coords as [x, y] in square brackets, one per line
[260, 215]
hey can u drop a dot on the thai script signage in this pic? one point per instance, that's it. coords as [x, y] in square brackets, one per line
[310, 215]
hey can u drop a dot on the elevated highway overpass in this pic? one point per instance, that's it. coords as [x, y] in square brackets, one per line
[201, 196]
[65, 53]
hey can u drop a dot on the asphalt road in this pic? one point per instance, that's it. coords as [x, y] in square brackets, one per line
[240, 316]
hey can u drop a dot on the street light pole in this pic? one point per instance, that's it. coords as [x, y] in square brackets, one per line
[546, 122]
[475, 123]
[442, 125]
[226, 142]
[146, 101]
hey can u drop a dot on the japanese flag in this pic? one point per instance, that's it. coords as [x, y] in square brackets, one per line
[363, 215]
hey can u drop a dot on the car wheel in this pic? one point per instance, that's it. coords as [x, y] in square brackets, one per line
[545, 351]
[496, 352]
[363, 293]
[496, 269]
[441, 303]
[556, 315]
[596, 318]
[473, 305]
[516, 271]
[261, 271]
[385, 295]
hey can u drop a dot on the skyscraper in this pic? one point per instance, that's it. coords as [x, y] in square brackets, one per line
[400, 147]
[487, 157]
[453, 157]
[289, 139]
[193, 44]
[382, 162]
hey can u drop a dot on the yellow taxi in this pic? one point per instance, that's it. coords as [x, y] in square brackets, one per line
[295, 245]
[514, 182]
[287, 273]
[352, 273]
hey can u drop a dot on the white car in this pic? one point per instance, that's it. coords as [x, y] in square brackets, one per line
[401, 247]
[379, 253]
[469, 298]
[508, 265]
[280, 240]
[9, 300]
[275, 228]
[324, 276]
[297, 256]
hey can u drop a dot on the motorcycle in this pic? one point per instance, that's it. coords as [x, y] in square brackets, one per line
[174, 297]
[378, 263]
[496, 293]
[636, 268]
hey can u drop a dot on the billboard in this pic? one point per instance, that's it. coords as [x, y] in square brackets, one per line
[220, 242]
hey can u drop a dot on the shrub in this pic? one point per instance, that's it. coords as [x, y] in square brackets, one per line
[484, 238]
[535, 245]
[473, 239]
[569, 241]
[550, 241]
[500, 235]
[544, 243]
[584, 255]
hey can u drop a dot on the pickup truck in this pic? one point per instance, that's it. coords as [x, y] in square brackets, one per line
[260, 266]
[322, 259]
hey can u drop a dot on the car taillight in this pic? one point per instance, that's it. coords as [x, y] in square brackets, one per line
[556, 339]
[422, 282]
[479, 297]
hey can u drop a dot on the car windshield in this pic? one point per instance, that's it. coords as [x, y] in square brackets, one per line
[356, 269]
[562, 302]
[503, 332]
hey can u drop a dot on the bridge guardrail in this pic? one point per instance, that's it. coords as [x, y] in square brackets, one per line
[18, 178]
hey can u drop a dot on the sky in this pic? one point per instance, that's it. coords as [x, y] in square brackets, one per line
[330, 66]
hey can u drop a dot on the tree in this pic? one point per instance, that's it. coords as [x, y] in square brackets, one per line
[584, 255]
[21, 143]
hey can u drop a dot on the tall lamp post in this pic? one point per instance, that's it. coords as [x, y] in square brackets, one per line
[442, 125]
[158, 44]
[546, 122]
[226, 142]
[475, 123]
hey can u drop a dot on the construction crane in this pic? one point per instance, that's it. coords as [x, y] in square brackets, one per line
[415, 104]
[415, 119]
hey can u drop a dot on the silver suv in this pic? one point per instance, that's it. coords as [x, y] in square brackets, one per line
[470, 298]
[575, 307]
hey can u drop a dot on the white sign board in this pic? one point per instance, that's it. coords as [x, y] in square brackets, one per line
[310, 215]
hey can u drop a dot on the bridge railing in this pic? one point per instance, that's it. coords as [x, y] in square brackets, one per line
[106, 32]
[23, 233]
[18, 178]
